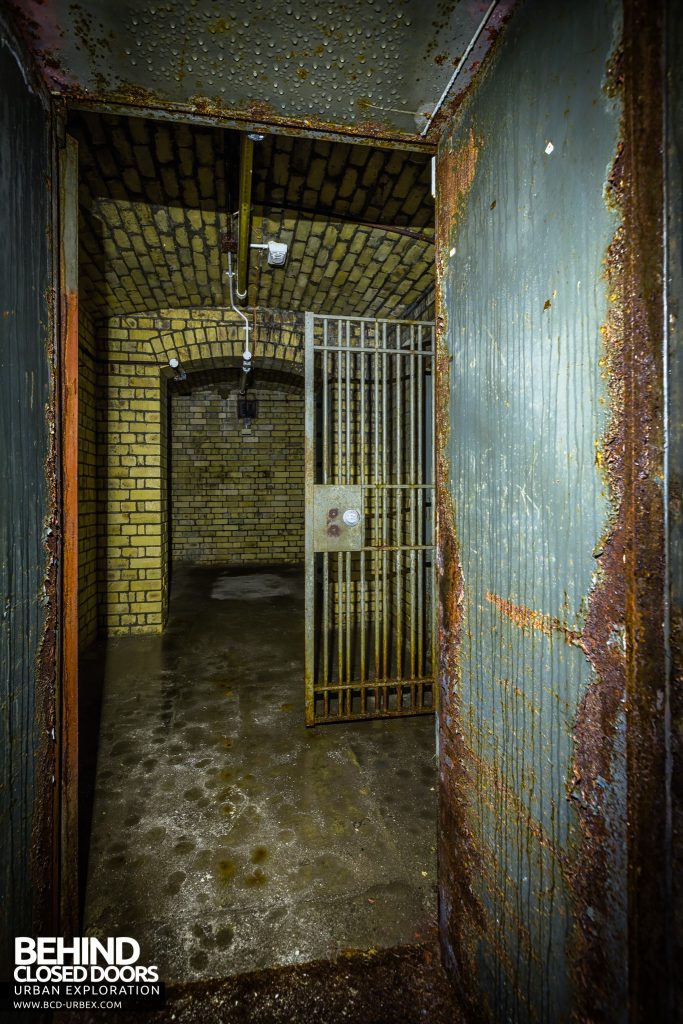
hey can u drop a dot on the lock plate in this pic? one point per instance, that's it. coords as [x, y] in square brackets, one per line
[331, 530]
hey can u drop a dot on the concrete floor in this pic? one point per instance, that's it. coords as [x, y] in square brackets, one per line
[226, 836]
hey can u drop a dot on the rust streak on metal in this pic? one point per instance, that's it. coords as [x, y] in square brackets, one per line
[526, 618]
[478, 69]
[459, 853]
[69, 683]
[490, 775]
[43, 852]
[627, 600]
[455, 176]
[68, 425]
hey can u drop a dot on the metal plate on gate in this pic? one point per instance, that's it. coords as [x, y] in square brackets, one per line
[337, 517]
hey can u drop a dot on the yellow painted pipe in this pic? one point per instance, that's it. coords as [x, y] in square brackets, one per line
[244, 213]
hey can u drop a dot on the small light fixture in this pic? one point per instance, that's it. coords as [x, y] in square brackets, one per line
[178, 372]
[277, 252]
[256, 136]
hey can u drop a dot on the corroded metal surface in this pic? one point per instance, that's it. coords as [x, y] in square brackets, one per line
[68, 344]
[673, 34]
[637, 268]
[28, 525]
[534, 616]
[370, 70]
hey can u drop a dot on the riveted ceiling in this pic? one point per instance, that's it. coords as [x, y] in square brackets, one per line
[156, 201]
[370, 67]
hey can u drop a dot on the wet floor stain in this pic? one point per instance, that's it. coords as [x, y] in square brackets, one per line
[255, 879]
[227, 837]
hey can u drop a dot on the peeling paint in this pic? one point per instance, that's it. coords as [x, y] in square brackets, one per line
[320, 69]
[619, 726]
[524, 530]
[29, 528]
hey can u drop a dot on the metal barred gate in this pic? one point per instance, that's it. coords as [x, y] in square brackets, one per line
[370, 515]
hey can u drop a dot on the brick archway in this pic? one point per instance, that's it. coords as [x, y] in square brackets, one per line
[133, 379]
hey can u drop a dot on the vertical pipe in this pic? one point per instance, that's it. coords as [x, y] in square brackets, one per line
[347, 361]
[340, 405]
[244, 222]
[309, 456]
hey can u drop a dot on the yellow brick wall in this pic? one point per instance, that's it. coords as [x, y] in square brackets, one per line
[131, 491]
[237, 492]
[87, 482]
[133, 384]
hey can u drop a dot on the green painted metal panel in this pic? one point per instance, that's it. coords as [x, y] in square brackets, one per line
[27, 529]
[524, 228]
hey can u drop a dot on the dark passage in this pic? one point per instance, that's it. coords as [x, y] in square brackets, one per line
[227, 836]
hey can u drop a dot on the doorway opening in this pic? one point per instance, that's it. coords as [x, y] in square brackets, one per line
[216, 828]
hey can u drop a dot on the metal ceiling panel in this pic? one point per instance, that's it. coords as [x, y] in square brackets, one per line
[375, 68]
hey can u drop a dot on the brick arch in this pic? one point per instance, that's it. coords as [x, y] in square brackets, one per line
[236, 488]
[132, 493]
[276, 339]
[267, 374]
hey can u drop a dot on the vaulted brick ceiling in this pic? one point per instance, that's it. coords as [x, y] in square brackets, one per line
[156, 199]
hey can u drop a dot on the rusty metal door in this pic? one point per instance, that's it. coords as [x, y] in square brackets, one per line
[370, 636]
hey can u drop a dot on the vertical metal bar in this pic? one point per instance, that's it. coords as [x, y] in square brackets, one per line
[326, 620]
[309, 467]
[339, 479]
[433, 673]
[326, 412]
[339, 404]
[412, 502]
[349, 477]
[398, 561]
[244, 222]
[363, 483]
[340, 629]
[349, 669]
[382, 491]
[375, 495]
[349, 467]
[325, 476]
[420, 513]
